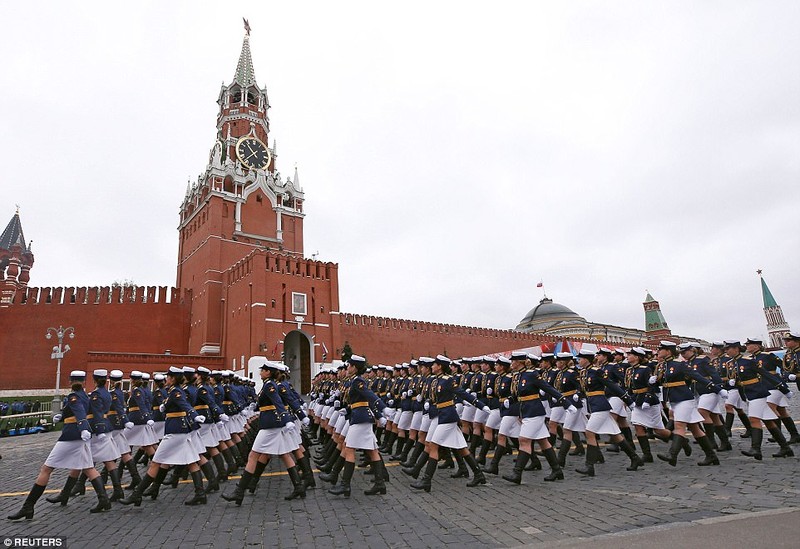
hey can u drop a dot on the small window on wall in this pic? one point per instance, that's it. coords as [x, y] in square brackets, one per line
[299, 304]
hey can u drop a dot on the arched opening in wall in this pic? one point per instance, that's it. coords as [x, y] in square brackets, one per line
[227, 185]
[298, 354]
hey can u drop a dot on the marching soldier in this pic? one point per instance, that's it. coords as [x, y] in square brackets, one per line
[776, 400]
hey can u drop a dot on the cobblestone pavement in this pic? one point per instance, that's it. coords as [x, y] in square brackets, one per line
[496, 515]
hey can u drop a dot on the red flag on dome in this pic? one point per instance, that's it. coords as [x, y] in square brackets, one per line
[540, 284]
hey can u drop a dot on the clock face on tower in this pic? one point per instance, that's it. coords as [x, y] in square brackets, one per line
[252, 153]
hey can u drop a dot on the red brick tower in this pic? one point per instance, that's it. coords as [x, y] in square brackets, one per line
[16, 260]
[239, 204]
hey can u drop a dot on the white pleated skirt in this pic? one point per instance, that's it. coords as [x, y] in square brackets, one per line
[708, 402]
[760, 409]
[339, 425]
[223, 432]
[547, 410]
[416, 421]
[448, 435]
[327, 411]
[275, 442]
[197, 442]
[104, 449]
[777, 398]
[432, 427]
[557, 414]
[70, 454]
[176, 449]
[618, 407]
[141, 435]
[735, 399]
[686, 412]
[404, 422]
[122, 444]
[577, 422]
[361, 437]
[345, 429]
[534, 428]
[158, 430]
[509, 426]
[468, 413]
[601, 423]
[650, 417]
[494, 419]
[208, 435]
[425, 423]
[396, 416]
[480, 416]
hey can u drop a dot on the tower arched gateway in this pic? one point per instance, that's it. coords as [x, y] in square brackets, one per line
[298, 355]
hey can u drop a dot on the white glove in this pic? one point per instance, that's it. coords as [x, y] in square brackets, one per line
[57, 418]
[306, 422]
[290, 426]
[426, 406]
[489, 392]
[652, 380]
[790, 394]
[419, 398]
[253, 407]
[129, 425]
[162, 408]
[572, 409]
[792, 377]
[382, 422]
[388, 413]
[459, 408]
[542, 393]
[576, 398]
[102, 435]
[645, 406]
[86, 436]
[337, 393]
[389, 395]
[723, 393]
[200, 419]
[391, 403]
[404, 394]
[224, 418]
[475, 395]
[486, 409]
[220, 424]
[337, 404]
[506, 403]
[410, 393]
[732, 382]
[150, 422]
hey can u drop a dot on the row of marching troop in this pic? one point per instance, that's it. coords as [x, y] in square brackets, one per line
[195, 422]
[434, 410]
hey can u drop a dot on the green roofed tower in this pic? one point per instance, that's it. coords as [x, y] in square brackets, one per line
[776, 324]
[655, 326]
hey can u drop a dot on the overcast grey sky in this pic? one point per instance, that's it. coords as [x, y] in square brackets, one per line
[452, 153]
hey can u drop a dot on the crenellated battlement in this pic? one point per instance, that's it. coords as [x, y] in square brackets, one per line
[100, 295]
[281, 263]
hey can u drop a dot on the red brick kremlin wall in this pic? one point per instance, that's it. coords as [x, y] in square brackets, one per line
[127, 320]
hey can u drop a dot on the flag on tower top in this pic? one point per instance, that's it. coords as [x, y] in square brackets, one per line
[540, 284]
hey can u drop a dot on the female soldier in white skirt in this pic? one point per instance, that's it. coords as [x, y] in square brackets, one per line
[274, 436]
[755, 381]
[120, 423]
[212, 431]
[574, 424]
[358, 433]
[509, 426]
[176, 447]
[675, 376]
[103, 447]
[776, 400]
[594, 384]
[414, 393]
[646, 412]
[491, 421]
[70, 452]
[446, 432]
[707, 401]
[141, 432]
[423, 398]
[526, 387]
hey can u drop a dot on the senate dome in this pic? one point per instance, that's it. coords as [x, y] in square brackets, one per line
[549, 316]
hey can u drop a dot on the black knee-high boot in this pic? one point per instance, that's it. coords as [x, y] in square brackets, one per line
[628, 434]
[27, 508]
[308, 475]
[563, 451]
[135, 477]
[756, 438]
[745, 423]
[80, 486]
[794, 437]
[333, 476]
[299, 488]
[238, 492]
[728, 423]
[415, 470]
[477, 475]
[199, 497]
[630, 451]
[786, 450]
[63, 496]
[118, 492]
[711, 433]
[644, 443]
[474, 443]
[136, 497]
[343, 488]
[230, 460]
[446, 455]
[425, 482]
[219, 463]
[208, 471]
[485, 444]
[412, 459]
[492, 468]
[103, 504]
[519, 466]
[724, 441]
[591, 458]
[379, 483]
[461, 471]
[534, 464]
[708, 449]
[578, 451]
[153, 490]
[255, 476]
[675, 446]
[556, 473]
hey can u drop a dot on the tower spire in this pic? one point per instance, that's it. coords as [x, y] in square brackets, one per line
[655, 326]
[245, 75]
[776, 323]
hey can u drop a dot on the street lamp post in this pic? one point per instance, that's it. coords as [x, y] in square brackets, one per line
[58, 353]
